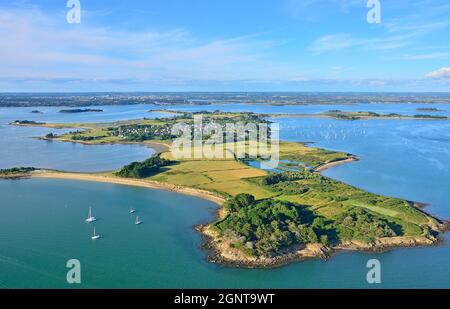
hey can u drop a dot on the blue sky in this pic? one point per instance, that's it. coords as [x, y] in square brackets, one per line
[218, 45]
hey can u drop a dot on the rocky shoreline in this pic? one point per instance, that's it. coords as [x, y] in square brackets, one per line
[15, 176]
[220, 251]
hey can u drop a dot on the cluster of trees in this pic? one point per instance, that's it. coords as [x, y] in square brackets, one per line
[17, 170]
[428, 109]
[359, 223]
[265, 228]
[31, 122]
[275, 178]
[143, 169]
[79, 110]
[430, 116]
[86, 138]
[51, 135]
[291, 188]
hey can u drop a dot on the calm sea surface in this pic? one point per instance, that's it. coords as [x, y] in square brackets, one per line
[42, 221]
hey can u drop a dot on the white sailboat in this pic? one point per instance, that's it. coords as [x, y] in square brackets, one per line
[95, 236]
[90, 217]
[132, 211]
[137, 222]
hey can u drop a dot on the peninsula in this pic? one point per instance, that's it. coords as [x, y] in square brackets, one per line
[266, 218]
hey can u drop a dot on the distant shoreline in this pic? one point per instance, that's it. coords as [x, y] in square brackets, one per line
[359, 117]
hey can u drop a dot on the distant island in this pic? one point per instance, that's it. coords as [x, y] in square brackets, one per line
[27, 123]
[79, 110]
[344, 115]
[335, 114]
[266, 218]
[429, 109]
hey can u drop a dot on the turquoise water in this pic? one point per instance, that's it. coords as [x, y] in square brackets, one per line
[43, 226]
[42, 222]
[19, 148]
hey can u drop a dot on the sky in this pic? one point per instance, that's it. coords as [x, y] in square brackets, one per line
[218, 45]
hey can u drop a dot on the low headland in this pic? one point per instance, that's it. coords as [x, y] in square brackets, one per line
[342, 115]
[80, 110]
[265, 218]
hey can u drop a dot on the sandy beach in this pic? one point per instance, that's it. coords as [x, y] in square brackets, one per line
[132, 182]
[331, 164]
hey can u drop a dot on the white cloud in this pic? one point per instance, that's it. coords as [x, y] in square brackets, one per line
[35, 44]
[341, 41]
[394, 33]
[39, 48]
[429, 56]
[442, 73]
[377, 83]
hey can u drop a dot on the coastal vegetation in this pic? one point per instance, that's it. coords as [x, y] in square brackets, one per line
[16, 171]
[307, 207]
[28, 123]
[424, 116]
[267, 228]
[143, 169]
[428, 109]
[51, 135]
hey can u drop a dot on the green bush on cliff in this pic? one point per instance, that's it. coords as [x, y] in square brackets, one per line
[17, 170]
[143, 169]
[265, 228]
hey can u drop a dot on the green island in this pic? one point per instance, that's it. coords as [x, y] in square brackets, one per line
[80, 110]
[429, 109]
[28, 123]
[267, 218]
[341, 115]
[335, 114]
